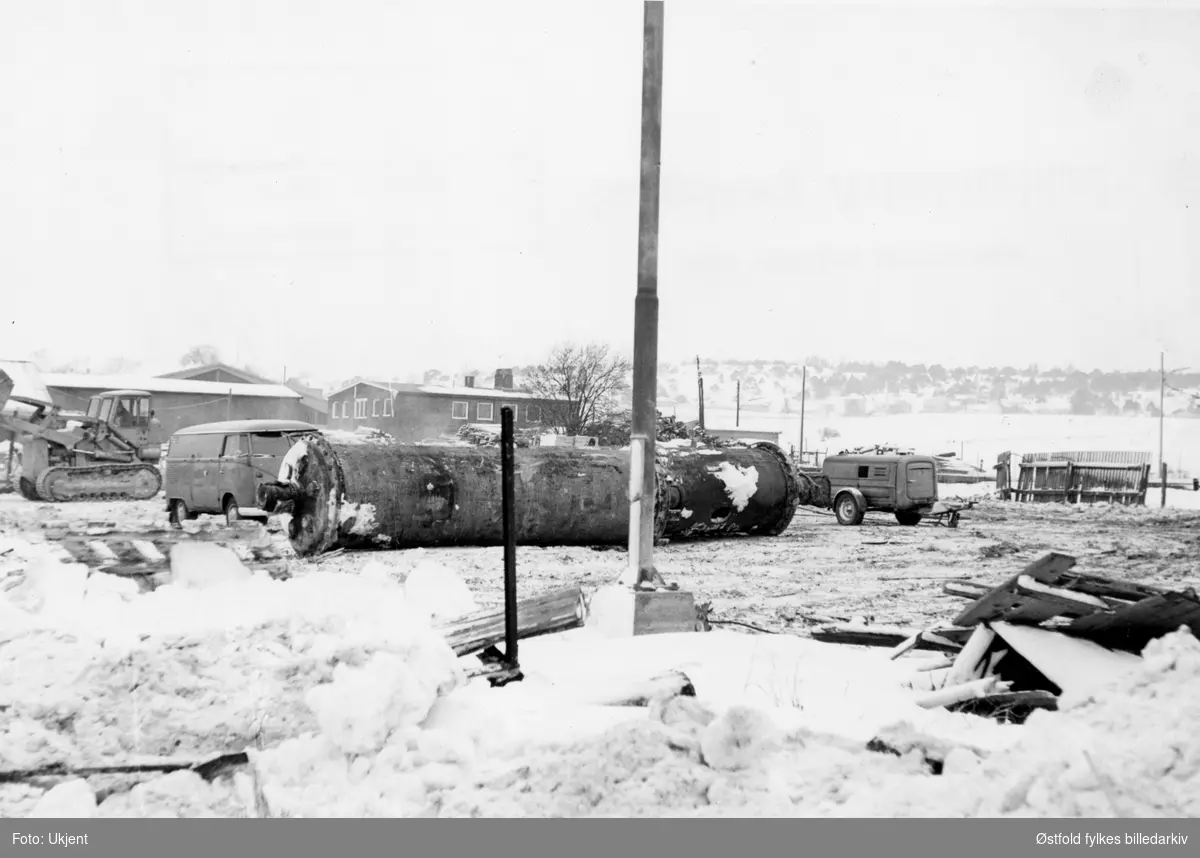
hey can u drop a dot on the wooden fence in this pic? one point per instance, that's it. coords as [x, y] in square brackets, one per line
[1097, 476]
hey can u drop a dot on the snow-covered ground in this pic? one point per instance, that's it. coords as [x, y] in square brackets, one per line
[350, 705]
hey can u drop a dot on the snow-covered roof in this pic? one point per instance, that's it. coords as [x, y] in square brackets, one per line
[390, 386]
[78, 381]
[441, 390]
[487, 392]
[192, 371]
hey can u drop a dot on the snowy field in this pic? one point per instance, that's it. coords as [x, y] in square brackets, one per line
[982, 437]
[350, 705]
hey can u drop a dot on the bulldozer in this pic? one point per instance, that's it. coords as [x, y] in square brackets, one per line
[108, 452]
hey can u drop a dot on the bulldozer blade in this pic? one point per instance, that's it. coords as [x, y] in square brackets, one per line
[6, 388]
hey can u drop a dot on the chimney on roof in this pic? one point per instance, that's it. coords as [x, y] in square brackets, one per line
[469, 381]
[504, 379]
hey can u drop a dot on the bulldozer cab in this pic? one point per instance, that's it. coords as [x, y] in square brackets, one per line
[130, 413]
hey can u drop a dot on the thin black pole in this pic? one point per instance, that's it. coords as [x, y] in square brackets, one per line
[645, 307]
[508, 514]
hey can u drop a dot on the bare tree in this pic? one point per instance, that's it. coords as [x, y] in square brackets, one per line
[579, 384]
[201, 355]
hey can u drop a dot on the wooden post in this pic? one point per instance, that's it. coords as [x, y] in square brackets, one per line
[229, 406]
[645, 312]
[737, 415]
[1164, 484]
[803, 393]
[700, 393]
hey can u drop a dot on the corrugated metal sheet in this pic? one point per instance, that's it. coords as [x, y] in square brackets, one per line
[1092, 476]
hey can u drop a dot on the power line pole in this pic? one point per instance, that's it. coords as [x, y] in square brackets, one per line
[803, 395]
[645, 308]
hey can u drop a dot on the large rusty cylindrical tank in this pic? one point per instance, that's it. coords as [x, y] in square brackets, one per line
[373, 494]
[721, 491]
[387, 495]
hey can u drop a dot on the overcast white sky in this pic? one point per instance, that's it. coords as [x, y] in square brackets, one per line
[379, 188]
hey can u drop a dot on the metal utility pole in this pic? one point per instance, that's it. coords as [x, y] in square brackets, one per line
[803, 392]
[1162, 401]
[645, 308]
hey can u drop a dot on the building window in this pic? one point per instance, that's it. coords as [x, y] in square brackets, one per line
[387, 407]
[333, 410]
[483, 412]
[374, 407]
[360, 408]
[533, 413]
[458, 411]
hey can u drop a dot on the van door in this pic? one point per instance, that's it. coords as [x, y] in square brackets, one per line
[205, 463]
[267, 450]
[875, 482]
[236, 473]
[920, 482]
[177, 479]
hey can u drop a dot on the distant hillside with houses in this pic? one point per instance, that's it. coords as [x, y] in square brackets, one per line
[862, 389]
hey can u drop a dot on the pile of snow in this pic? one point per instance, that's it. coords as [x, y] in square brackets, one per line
[740, 483]
[241, 662]
[1127, 751]
[372, 756]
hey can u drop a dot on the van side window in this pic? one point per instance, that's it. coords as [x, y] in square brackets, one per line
[270, 444]
[236, 445]
[863, 471]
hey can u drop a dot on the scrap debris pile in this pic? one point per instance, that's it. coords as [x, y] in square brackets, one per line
[1046, 631]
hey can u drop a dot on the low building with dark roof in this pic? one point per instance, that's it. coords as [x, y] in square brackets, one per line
[414, 412]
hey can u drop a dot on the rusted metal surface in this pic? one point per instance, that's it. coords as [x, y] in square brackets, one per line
[405, 496]
[703, 498]
[1084, 477]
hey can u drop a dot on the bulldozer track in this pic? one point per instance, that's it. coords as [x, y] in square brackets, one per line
[66, 484]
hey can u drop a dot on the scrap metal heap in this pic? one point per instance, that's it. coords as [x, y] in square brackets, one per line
[381, 495]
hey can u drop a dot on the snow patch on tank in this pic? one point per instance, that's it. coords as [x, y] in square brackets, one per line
[685, 513]
[740, 483]
[291, 462]
[357, 519]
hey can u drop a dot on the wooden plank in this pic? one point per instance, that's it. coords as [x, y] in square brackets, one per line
[965, 589]
[966, 663]
[1075, 604]
[548, 613]
[1131, 628]
[964, 691]
[1004, 598]
[938, 639]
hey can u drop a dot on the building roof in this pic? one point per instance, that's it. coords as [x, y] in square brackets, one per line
[248, 426]
[486, 392]
[389, 386]
[443, 390]
[192, 371]
[152, 384]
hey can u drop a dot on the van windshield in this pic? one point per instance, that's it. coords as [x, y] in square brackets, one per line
[270, 444]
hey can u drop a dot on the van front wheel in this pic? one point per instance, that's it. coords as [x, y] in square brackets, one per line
[909, 518]
[232, 513]
[178, 513]
[848, 511]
